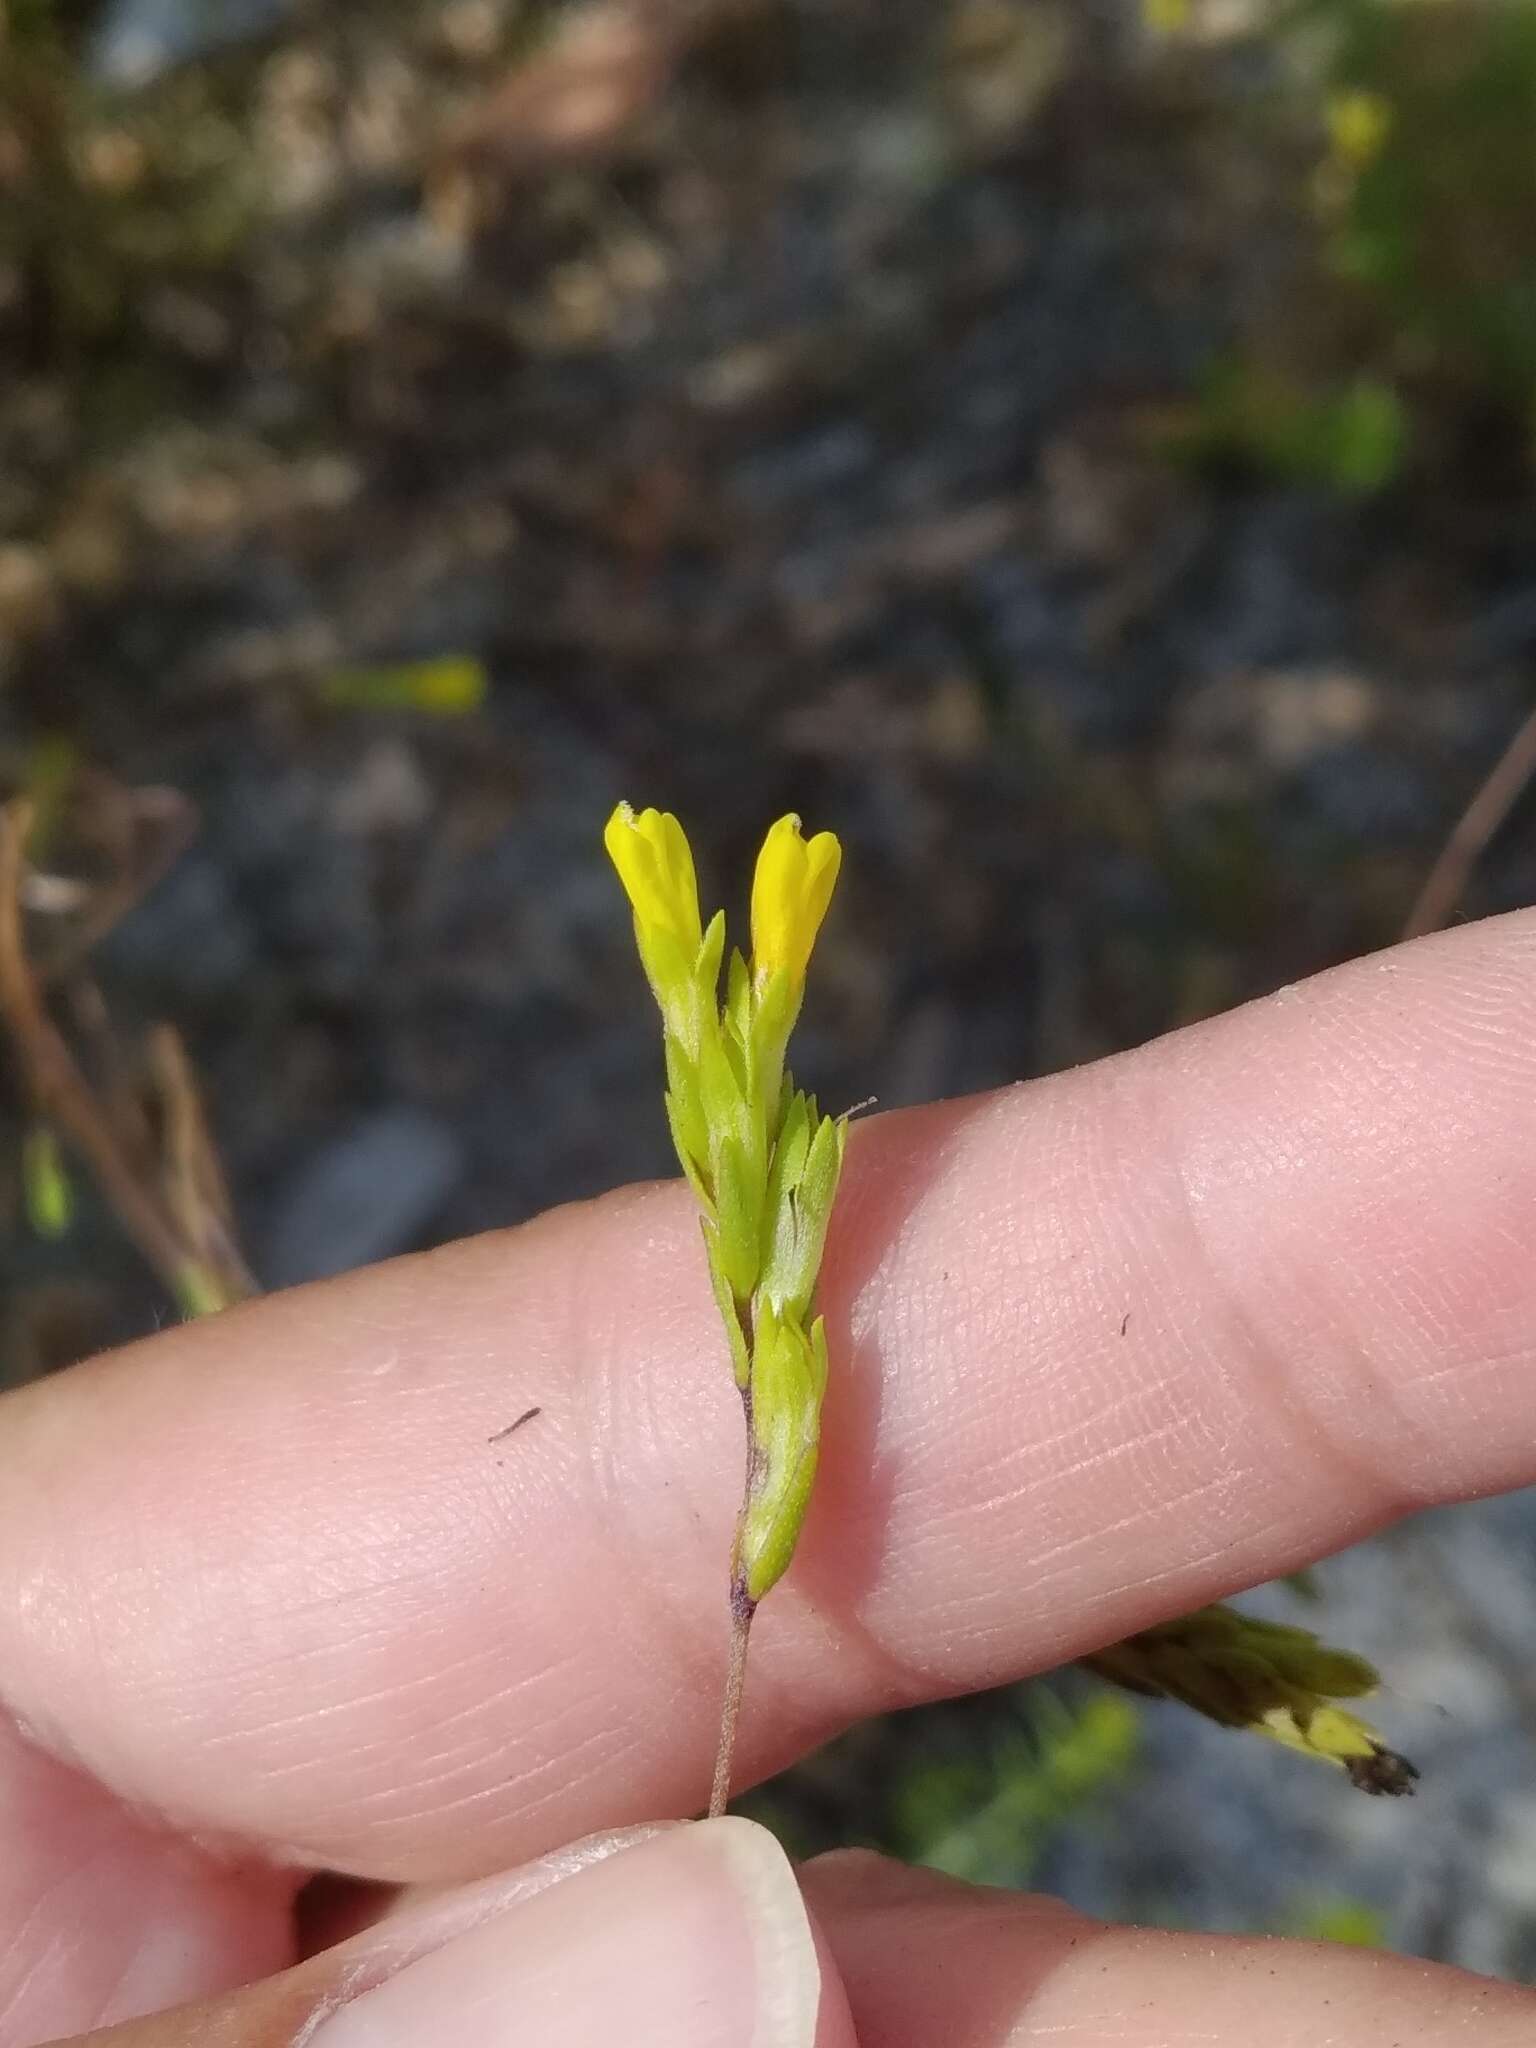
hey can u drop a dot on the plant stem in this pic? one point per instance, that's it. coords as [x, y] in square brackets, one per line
[191, 1246]
[58, 1088]
[1477, 824]
[743, 1607]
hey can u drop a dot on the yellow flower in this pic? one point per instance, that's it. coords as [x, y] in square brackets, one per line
[790, 893]
[1359, 125]
[656, 867]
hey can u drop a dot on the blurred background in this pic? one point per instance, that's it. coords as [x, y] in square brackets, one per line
[1082, 451]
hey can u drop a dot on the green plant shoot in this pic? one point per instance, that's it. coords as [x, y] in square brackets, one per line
[762, 1161]
[1243, 1672]
[50, 1196]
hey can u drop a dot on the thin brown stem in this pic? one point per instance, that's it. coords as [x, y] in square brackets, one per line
[192, 1179]
[743, 1607]
[742, 1610]
[1494, 801]
[59, 1089]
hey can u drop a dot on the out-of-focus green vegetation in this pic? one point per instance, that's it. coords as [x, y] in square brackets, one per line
[1428, 190]
[1351, 1923]
[102, 193]
[984, 1802]
[133, 223]
[1351, 439]
[1409, 315]
[989, 1817]
[448, 686]
[47, 1187]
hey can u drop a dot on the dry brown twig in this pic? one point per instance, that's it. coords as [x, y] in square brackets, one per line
[170, 1199]
[1447, 880]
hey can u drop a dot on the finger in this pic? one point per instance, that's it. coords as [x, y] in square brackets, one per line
[697, 1938]
[1105, 1347]
[924, 1958]
[103, 1913]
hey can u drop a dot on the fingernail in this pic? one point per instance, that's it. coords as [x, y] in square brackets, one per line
[698, 1936]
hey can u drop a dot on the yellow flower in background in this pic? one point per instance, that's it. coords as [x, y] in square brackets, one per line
[790, 893]
[655, 865]
[1359, 125]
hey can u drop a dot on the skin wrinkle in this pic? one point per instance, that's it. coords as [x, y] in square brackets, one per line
[481, 1705]
[557, 1766]
[435, 1769]
[58, 1943]
[1412, 1306]
[265, 1725]
[388, 1829]
[1042, 1577]
[1117, 1193]
[1130, 1447]
[38, 1910]
[188, 1705]
[1053, 1229]
[1145, 1392]
[424, 1681]
[401, 1819]
[173, 1867]
[1270, 1374]
[112, 1992]
[658, 1611]
[391, 1740]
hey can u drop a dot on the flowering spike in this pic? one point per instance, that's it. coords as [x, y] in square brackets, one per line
[1244, 1672]
[762, 1162]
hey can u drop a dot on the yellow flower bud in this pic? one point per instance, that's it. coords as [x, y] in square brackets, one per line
[790, 893]
[1359, 126]
[656, 867]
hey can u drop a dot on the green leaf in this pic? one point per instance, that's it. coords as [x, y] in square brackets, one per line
[730, 1312]
[49, 1193]
[448, 686]
[786, 1434]
[738, 1214]
[799, 1226]
[706, 968]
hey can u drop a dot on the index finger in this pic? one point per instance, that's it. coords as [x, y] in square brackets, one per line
[1103, 1347]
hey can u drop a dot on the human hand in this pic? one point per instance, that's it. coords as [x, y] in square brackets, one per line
[271, 1600]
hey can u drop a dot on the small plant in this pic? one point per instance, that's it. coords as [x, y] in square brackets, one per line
[760, 1158]
[1242, 1672]
[763, 1164]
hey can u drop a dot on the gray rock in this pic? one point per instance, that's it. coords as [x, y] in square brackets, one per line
[138, 39]
[367, 1194]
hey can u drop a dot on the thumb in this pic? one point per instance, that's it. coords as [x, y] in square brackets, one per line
[693, 1937]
